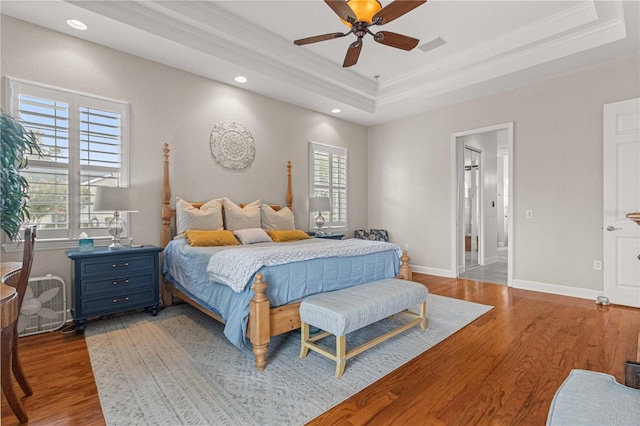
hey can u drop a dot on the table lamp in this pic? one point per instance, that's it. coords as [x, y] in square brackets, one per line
[319, 204]
[115, 199]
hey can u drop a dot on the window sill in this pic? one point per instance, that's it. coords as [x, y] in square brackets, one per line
[60, 244]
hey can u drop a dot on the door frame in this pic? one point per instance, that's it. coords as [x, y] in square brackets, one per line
[456, 171]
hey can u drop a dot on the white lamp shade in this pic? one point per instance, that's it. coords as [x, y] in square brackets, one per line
[319, 204]
[111, 199]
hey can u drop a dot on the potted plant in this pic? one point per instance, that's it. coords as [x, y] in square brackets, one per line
[17, 142]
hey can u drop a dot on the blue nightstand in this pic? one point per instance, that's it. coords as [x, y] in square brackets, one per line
[108, 281]
[328, 236]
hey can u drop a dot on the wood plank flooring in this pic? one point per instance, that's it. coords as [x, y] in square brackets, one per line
[503, 369]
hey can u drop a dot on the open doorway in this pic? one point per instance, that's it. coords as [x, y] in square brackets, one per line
[482, 195]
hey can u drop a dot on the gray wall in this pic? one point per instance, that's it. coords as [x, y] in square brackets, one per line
[168, 105]
[557, 162]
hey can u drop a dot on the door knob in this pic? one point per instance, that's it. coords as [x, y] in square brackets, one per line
[611, 228]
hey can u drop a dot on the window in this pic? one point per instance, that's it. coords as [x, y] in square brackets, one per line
[328, 170]
[84, 141]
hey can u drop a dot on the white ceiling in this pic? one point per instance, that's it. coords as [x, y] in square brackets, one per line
[490, 46]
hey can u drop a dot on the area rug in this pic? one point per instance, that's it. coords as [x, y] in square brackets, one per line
[178, 368]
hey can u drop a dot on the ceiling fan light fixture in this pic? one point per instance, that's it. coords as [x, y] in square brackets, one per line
[364, 10]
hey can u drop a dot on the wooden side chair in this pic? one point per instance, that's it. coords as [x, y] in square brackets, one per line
[19, 280]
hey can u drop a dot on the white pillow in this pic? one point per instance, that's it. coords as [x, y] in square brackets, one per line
[237, 217]
[206, 218]
[274, 220]
[252, 235]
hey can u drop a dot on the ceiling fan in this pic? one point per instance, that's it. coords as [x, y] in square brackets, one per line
[362, 14]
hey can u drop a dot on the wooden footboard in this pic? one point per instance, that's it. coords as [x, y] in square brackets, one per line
[264, 321]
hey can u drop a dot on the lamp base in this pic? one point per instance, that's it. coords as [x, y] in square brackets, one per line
[319, 223]
[116, 227]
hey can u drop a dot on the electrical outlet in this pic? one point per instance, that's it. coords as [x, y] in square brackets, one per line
[406, 247]
[597, 265]
[529, 214]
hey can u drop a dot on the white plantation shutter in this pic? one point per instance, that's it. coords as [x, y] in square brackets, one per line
[85, 144]
[328, 168]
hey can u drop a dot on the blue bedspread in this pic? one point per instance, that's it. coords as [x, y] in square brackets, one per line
[185, 267]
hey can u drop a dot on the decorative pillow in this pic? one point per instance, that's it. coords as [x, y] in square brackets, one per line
[207, 217]
[252, 235]
[283, 236]
[237, 217]
[371, 234]
[197, 238]
[281, 219]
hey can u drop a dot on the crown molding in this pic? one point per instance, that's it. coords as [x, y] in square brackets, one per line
[236, 41]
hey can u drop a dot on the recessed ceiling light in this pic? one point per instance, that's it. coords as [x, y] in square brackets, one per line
[241, 79]
[78, 25]
[336, 110]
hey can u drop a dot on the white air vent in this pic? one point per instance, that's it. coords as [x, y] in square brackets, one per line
[44, 306]
[430, 45]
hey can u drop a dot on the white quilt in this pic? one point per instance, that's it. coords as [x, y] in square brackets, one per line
[235, 268]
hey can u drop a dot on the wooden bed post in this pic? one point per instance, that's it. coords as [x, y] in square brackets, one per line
[405, 269]
[289, 193]
[165, 233]
[259, 322]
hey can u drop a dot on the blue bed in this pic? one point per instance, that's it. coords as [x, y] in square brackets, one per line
[185, 267]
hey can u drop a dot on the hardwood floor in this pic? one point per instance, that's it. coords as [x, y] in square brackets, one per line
[503, 369]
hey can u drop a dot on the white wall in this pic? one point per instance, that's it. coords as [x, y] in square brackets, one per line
[168, 105]
[557, 162]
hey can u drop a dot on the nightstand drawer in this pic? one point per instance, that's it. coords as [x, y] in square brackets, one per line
[119, 302]
[119, 284]
[117, 265]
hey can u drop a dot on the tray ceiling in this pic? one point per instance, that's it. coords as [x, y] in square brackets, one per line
[467, 49]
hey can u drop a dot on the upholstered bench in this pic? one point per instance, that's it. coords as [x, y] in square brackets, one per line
[592, 398]
[343, 311]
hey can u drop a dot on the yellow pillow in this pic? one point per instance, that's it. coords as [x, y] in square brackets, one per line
[283, 236]
[197, 238]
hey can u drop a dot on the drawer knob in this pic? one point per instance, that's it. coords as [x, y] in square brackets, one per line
[120, 265]
[123, 282]
[122, 299]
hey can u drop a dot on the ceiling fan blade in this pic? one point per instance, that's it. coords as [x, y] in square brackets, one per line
[318, 38]
[353, 53]
[396, 40]
[395, 10]
[342, 9]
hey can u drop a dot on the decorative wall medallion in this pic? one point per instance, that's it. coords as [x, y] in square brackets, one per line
[232, 145]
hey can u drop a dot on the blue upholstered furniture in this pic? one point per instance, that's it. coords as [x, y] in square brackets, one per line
[591, 398]
[341, 312]
[372, 234]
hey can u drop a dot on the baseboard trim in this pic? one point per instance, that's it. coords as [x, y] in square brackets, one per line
[561, 290]
[432, 271]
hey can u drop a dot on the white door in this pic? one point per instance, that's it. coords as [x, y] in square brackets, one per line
[621, 196]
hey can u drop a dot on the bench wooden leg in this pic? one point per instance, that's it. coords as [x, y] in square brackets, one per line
[304, 336]
[341, 355]
[423, 315]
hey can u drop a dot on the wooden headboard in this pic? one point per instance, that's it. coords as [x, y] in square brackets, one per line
[169, 214]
